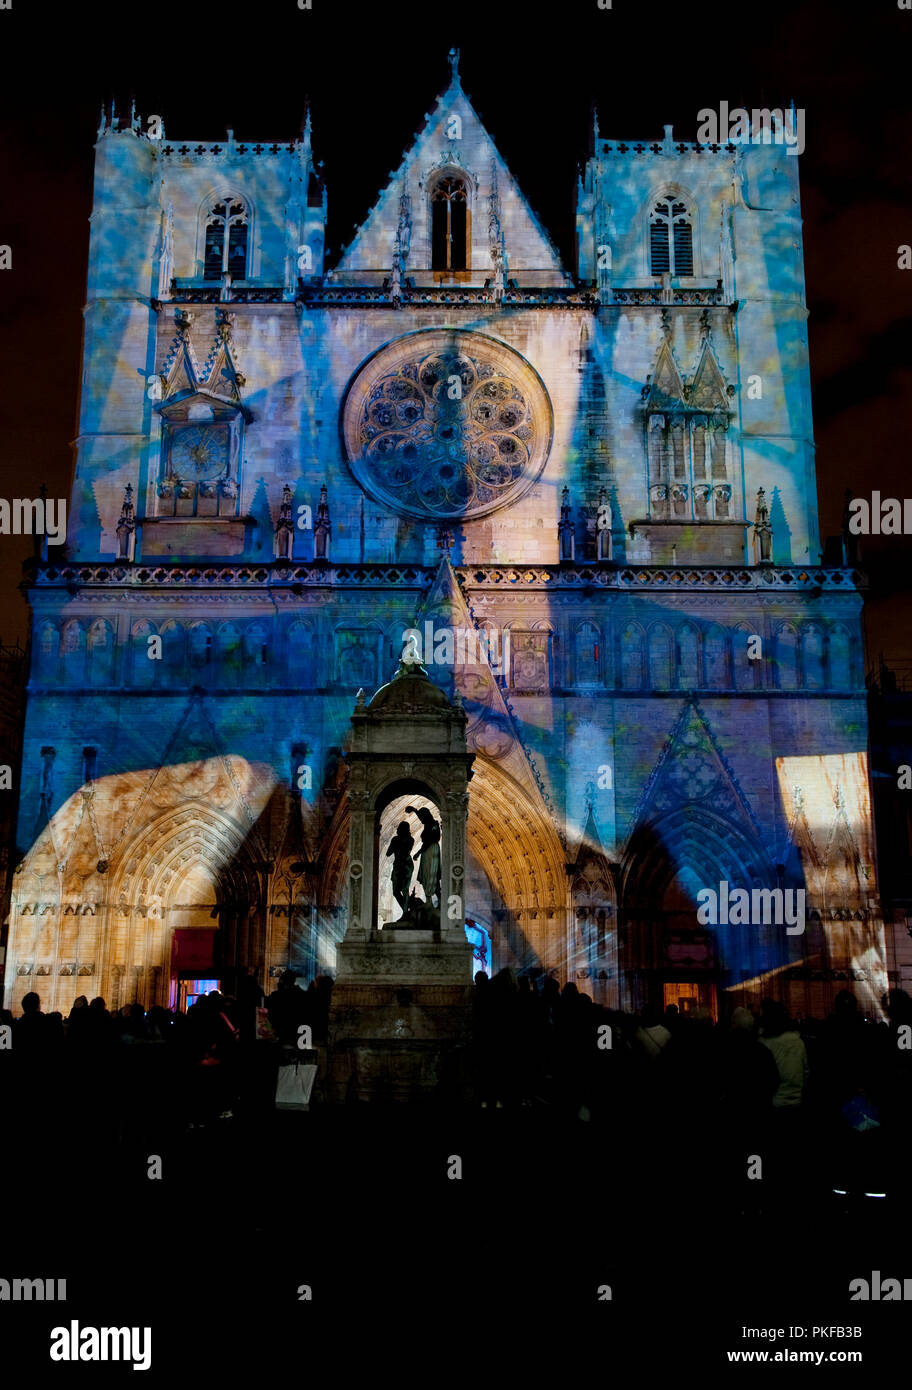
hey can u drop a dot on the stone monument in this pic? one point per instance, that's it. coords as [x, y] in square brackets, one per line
[402, 996]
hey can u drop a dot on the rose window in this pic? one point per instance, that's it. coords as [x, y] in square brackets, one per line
[447, 424]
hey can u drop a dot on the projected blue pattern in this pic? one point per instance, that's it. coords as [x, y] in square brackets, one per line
[211, 646]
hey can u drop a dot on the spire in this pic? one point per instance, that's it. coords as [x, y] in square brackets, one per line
[726, 255]
[284, 531]
[565, 537]
[494, 210]
[403, 239]
[603, 524]
[323, 528]
[166, 257]
[102, 128]
[454, 64]
[596, 134]
[496, 239]
[763, 532]
[126, 526]
[307, 134]
[848, 538]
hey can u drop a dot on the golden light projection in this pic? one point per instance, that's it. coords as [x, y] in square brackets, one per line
[126, 862]
[826, 803]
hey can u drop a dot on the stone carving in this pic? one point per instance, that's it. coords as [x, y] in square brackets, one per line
[530, 661]
[429, 854]
[447, 423]
[400, 850]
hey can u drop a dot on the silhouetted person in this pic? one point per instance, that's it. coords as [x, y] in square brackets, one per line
[789, 1053]
[33, 1032]
[288, 1008]
[400, 850]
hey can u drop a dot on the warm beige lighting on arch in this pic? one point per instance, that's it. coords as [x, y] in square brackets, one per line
[826, 800]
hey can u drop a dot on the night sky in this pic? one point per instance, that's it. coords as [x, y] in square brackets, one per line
[533, 74]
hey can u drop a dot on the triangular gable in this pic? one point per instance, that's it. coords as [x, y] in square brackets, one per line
[708, 389]
[180, 371]
[491, 729]
[692, 769]
[460, 144]
[666, 386]
[221, 373]
[591, 861]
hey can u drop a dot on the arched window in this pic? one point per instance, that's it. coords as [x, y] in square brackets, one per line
[73, 649]
[101, 653]
[787, 658]
[716, 659]
[632, 676]
[841, 675]
[49, 651]
[226, 240]
[200, 648]
[449, 225]
[301, 656]
[228, 654]
[173, 651]
[813, 658]
[671, 238]
[660, 649]
[145, 662]
[587, 654]
[746, 667]
[688, 658]
[256, 653]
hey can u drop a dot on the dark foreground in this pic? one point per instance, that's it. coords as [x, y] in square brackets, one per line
[511, 1258]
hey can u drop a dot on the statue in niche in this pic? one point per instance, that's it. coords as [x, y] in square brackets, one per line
[428, 855]
[401, 848]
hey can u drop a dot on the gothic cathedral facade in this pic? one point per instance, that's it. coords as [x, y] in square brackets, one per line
[584, 497]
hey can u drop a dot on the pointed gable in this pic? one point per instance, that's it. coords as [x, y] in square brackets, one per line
[666, 387]
[180, 370]
[453, 143]
[707, 389]
[492, 730]
[692, 770]
[221, 373]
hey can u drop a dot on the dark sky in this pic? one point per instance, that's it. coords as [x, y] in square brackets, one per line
[533, 73]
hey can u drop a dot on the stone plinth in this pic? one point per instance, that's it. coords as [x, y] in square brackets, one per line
[400, 1003]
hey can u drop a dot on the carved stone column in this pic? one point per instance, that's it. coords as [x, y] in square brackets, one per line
[360, 859]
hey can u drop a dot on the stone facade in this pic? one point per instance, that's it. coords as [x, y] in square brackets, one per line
[280, 472]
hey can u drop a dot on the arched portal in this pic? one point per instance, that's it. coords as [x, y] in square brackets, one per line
[666, 954]
[513, 840]
[184, 900]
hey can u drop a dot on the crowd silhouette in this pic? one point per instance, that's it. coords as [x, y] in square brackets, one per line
[749, 1085]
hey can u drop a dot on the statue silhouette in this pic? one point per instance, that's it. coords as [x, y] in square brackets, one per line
[428, 855]
[401, 850]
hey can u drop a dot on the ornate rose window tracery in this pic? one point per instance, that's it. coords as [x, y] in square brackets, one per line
[447, 423]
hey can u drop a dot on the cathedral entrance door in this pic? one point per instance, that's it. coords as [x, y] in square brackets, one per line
[689, 995]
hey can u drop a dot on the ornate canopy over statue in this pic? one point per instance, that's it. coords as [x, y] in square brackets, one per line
[403, 984]
[409, 740]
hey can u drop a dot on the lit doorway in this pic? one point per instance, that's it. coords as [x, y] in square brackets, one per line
[689, 995]
[189, 991]
[482, 954]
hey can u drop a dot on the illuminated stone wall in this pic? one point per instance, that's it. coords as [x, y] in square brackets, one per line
[195, 663]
